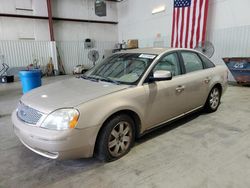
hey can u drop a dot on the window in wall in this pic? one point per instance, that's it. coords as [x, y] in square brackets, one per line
[27, 32]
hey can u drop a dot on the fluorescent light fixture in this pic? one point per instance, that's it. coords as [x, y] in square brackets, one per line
[159, 9]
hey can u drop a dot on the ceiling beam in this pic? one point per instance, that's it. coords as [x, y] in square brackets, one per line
[56, 18]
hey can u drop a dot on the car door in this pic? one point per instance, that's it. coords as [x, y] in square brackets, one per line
[196, 82]
[165, 98]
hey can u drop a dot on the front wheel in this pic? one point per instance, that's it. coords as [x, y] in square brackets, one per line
[213, 100]
[116, 138]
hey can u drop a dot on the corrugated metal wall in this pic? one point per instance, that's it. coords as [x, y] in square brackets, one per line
[229, 42]
[23, 53]
[74, 53]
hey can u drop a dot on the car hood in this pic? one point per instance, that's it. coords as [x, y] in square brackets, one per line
[67, 93]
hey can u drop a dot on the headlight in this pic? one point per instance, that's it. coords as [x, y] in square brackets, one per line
[61, 119]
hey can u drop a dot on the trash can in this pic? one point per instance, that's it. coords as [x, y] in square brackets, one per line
[240, 69]
[30, 79]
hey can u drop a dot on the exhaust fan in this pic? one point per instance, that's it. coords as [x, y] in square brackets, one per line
[101, 7]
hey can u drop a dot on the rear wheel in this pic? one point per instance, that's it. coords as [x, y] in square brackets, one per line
[213, 100]
[116, 138]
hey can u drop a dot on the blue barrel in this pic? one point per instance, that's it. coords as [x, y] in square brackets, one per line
[30, 79]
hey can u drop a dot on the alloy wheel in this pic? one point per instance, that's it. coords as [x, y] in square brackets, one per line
[120, 139]
[214, 99]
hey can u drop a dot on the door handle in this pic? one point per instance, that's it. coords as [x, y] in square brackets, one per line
[207, 80]
[179, 89]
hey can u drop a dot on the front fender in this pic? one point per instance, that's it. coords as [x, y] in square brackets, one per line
[97, 111]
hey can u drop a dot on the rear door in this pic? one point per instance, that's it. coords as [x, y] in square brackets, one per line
[196, 78]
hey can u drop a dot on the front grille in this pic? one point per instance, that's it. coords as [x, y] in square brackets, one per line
[28, 114]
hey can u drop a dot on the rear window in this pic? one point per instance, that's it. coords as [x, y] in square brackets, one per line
[208, 64]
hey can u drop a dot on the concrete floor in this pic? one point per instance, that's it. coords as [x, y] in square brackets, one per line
[203, 150]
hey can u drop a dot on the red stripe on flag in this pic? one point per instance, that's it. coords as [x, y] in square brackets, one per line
[187, 28]
[193, 24]
[199, 23]
[177, 23]
[182, 26]
[205, 21]
[173, 29]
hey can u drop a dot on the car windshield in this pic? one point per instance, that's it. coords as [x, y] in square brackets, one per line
[124, 68]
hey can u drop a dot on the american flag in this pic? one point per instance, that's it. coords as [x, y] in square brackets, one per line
[189, 23]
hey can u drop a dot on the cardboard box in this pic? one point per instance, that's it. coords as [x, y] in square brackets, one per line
[132, 43]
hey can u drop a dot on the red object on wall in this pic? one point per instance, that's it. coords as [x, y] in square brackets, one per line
[52, 38]
[189, 23]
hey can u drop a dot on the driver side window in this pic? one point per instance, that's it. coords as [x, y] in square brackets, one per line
[170, 63]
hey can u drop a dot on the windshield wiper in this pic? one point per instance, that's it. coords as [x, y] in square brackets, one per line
[84, 77]
[90, 78]
[107, 79]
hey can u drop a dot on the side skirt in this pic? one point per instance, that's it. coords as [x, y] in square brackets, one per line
[163, 124]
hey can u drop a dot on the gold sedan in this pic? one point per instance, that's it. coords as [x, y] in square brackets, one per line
[128, 94]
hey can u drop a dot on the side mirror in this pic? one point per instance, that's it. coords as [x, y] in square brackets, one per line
[161, 75]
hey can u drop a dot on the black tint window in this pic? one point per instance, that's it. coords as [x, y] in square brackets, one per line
[192, 61]
[170, 63]
[207, 62]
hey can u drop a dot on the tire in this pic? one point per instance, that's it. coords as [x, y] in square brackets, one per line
[116, 138]
[213, 100]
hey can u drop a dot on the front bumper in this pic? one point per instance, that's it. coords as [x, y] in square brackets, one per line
[68, 144]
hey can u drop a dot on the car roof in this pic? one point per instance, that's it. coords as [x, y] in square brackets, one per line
[156, 51]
